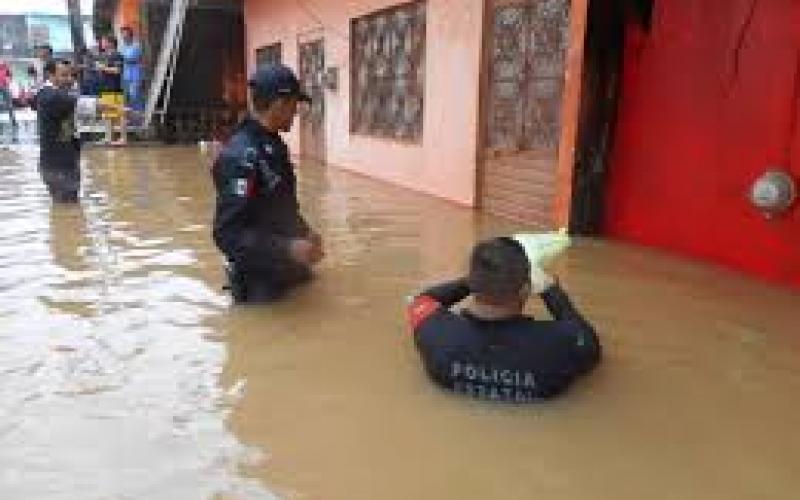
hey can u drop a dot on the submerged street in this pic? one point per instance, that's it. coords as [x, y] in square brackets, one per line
[127, 374]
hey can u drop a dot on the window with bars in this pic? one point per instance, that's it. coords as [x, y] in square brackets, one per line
[269, 54]
[388, 72]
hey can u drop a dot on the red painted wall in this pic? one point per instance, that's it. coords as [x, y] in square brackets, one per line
[709, 100]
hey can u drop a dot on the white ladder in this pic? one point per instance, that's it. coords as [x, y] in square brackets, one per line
[164, 71]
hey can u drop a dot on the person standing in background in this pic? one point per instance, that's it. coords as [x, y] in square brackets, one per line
[6, 99]
[110, 68]
[32, 86]
[131, 51]
[44, 53]
[90, 75]
[59, 146]
[57, 105]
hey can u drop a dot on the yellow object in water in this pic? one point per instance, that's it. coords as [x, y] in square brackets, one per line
[541, 248]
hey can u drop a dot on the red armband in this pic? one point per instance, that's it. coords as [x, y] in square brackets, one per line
[421, 309]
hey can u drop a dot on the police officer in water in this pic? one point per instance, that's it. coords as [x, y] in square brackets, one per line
[269, 246]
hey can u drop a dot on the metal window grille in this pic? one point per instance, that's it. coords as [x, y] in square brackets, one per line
[388, 72]
[527, 75]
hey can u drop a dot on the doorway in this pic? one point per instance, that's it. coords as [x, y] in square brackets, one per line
[522, 93]
[312, 117]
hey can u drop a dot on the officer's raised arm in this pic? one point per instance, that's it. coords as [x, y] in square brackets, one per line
[586, 349]
[442, 296]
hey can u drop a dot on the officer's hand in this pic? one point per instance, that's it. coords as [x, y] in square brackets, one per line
[302, 251]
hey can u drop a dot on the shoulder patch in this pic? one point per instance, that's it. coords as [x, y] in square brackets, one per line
[421, 309]
[242, 187]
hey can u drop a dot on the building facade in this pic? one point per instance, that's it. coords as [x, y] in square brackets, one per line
[641, 120]
[462, 101]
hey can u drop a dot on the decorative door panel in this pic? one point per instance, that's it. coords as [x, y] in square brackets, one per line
[312, 118]
[523, 93]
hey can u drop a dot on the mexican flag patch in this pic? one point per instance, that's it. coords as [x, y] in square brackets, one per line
[240, 187]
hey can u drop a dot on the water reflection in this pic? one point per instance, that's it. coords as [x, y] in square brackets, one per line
[111, 376]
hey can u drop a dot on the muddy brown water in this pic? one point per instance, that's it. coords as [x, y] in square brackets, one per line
[126, 374]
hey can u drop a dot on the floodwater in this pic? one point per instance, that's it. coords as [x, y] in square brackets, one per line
[127, 375]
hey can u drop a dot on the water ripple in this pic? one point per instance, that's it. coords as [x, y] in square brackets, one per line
[110, 382]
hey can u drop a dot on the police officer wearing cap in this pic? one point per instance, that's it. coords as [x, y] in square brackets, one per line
[268, 245]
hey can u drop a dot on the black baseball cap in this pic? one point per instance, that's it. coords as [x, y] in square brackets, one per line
[276, 80]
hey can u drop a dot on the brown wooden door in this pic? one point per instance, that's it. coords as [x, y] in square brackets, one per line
[526, 51]
[312, 118]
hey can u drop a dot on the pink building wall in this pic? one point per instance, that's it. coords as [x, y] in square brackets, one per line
[444, 163]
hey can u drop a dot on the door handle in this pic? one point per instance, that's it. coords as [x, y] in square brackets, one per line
[774, 192]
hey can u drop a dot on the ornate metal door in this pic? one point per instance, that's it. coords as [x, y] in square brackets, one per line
[522, 99]
[312, 118]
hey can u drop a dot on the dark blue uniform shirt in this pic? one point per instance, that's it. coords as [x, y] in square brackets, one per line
[516, 360]
[257, 212]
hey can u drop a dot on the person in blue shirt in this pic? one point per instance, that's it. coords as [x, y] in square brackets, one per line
[110, 67]
[131, 51]
[89, 74]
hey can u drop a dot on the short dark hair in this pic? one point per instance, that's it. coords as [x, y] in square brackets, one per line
[499, 270]
[45, 46]
[50, 67]
[126, 28]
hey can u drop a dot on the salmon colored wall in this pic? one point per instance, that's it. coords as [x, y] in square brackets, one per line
[444, 164]
[710, 99]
